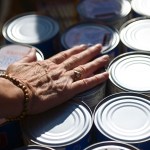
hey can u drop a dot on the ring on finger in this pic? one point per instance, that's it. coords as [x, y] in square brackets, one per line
[77, 75]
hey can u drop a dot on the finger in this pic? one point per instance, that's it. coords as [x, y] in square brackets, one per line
[82, 57]
[88, 69]
[59, 58]
[88, 83]
[30, 57]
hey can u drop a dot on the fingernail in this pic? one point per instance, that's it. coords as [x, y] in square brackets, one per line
[106, 75]
[106, 57]
[83, 46]
[98, 45]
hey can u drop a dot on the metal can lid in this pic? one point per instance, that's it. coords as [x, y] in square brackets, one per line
[135, 33]
[59, 127]
[90, 34]
[13, 52]
[30, 28]
[33, 147]
[124, 117]
[110, 10]
[131, 71]
[141, 7]
[111, 145]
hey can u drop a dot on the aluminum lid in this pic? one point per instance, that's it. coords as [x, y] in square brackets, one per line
[109, 10]
[131, 71]
[111, 145]
[59, 127]
[30, 29]
[141, 7]
[135, 34]
[14, 52]
[124, 117]
[90, 34]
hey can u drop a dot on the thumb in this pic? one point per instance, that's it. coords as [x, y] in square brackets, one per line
[30, 57]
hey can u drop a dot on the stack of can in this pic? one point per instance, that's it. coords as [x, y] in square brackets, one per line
[116, 118]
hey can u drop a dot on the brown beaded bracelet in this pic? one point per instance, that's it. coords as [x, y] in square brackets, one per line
[26, 96]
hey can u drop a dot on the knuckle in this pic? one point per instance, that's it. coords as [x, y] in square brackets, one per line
[64, 55]
[82, 68]
[85, 82]
[74, 58]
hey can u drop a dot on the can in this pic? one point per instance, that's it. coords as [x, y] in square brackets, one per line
[11, 53]
[33, 147]
[90, 34]
[10, 135]
[66, 127]
[134, 34]
[33, 29]
[124, 117]
[92, 96]
[111, 145]
[110, 12]
[129, 72]
[140, 8]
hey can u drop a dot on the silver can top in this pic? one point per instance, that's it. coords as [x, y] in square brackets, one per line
[135, 34]
[30, 28]
[131, 71]
[124, 117]
[141, 7]
[59, 127]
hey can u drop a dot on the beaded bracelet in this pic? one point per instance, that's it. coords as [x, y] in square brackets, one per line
[26, 96]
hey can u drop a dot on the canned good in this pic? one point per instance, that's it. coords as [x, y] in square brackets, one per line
[33, 29]
[33, 147]
[10, 135]
[134, 34]
[65, 127]
[124, 117]
[110, 12]
[90, 34]
[140, 8]
[11, 53]
[111, 145]
[93, 96]
[130, 72]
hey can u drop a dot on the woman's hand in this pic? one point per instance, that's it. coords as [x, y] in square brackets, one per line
[59, 78]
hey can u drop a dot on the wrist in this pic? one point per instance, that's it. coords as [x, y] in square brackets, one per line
[15, 99]
[12, 98]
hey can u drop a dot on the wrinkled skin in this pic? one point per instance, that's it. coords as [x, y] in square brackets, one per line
[51, 82]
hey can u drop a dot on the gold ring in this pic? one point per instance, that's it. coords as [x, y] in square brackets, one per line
[77, 75]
